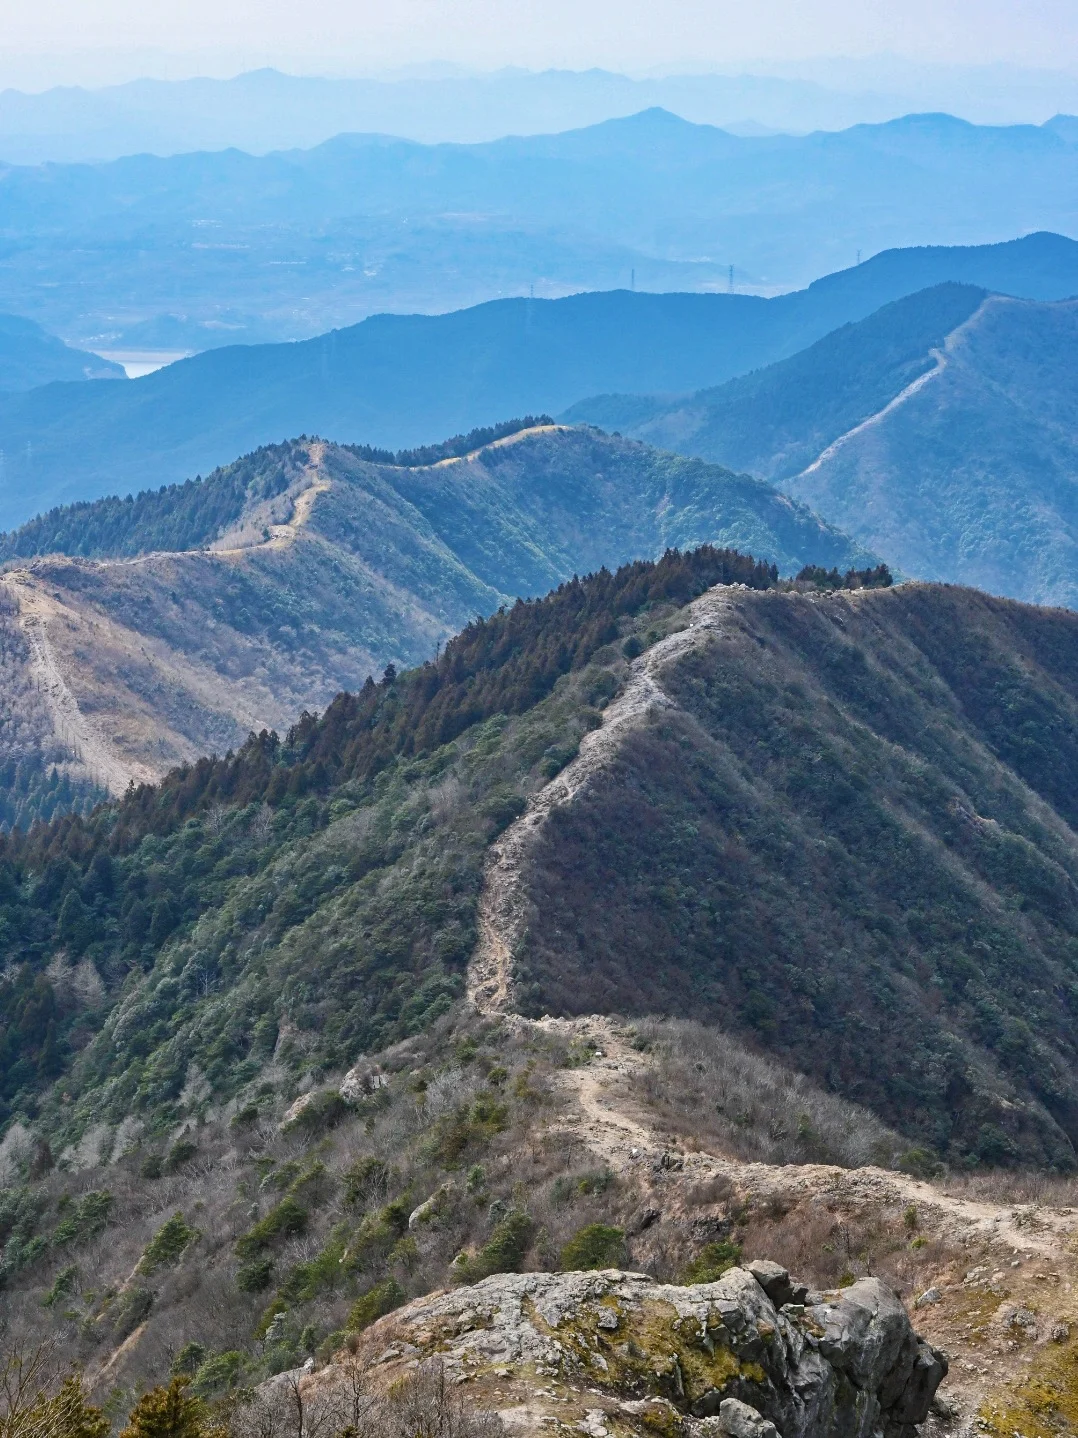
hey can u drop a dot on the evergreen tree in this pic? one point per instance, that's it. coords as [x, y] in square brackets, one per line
[168, 1413]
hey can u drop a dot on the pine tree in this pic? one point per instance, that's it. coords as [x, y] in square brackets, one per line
[168, 1413]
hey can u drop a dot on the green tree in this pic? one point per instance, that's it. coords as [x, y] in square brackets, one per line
[595, 1246]
[72, 926]
[168, 1413]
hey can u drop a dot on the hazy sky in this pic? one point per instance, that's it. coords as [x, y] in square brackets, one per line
[363, 36]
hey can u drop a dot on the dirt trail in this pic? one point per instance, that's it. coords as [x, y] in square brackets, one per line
[74, 729]
[503, 443]
[281, 535]
[600, 1107]
[940, 356]
[603, 1112]
[95, 754]
[503, 908]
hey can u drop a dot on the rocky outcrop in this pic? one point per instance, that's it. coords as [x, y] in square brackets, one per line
[608, 1352]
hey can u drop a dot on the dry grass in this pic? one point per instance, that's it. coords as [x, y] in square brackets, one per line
[829, 1246]
[1047, 1190]
[710, 1088]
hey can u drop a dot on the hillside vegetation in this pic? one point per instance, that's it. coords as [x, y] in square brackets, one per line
[825, 833]
[406, 379]
[839, 829]
[834, 811]
[938, 432]
[850, 834]
[972, 478]
[175, 623]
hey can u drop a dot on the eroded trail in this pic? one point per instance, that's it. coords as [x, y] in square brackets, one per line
[941, 358]
[602, 1100]
[503, 905]
[93, 754]
[603, 1110]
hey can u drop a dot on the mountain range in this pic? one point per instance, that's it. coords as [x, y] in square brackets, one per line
[399, 381]
[207, 246]
[143, 633]
[330, 1022]
[937, 431]
[266, 110]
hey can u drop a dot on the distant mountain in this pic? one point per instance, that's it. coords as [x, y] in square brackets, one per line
[265, 110]
[406, 380]
[142, 633]
[29, 356]
[939, 431]
[285, 245]
[776, 420]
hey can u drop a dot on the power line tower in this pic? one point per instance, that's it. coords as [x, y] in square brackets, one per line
[731, 279]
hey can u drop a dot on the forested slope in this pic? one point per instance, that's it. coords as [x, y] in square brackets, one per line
[937, 431]
[835, 826]
[850, 833]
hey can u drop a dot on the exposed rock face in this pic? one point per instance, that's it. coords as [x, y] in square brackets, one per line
[361, 1081]
[702, 1361]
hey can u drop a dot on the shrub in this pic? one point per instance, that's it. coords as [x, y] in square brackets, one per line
[596, 1245]
[88, 1218]
[712, 1262]
[502, 807]
[190, 1357]
[181, 1152]
[134, 1305]
[256, 1276]
[581, 1185]
[325, 1110]
[168, 1244]
[64, 1284]
[219, 1372]
[381, 1299]
[66, 1414]
[306, 1280]
[378, 1233]
[366, 1176]
[286, 1220]
[920, 1163]
[503, 1252]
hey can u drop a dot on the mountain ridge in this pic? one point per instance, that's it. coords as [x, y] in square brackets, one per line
[187, 618]
[249, 1110]
[936, 430]
[398, 381]
[30, 357]
[199, 247]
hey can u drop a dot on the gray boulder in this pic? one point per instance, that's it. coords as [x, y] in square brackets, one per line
[720, 1360]
[738, 1420]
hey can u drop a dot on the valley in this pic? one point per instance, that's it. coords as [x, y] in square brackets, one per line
[192, 250]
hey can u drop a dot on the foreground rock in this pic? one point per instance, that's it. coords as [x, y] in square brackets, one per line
[609, 1352]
